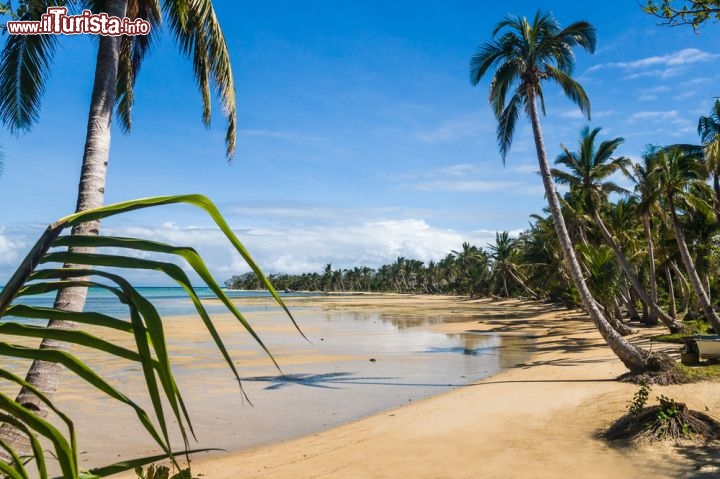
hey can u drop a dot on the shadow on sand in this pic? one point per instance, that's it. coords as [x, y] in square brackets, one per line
[336, 380]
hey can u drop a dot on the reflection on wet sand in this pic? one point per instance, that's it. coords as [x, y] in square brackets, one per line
[360, 360]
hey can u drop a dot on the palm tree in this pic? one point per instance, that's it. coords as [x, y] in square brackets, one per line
[24, 65]
[679, 177]
[503, 253]
[646, 196]
[524, 54]
[588, 172]
[540, 254]
[602, 274]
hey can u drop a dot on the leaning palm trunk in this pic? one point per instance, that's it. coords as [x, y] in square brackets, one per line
[45, 375]
[613, 320]
[522, 283]
[633, 358]
[654, 309]
[707, 308]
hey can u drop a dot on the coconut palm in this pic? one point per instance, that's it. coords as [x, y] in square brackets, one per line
[472, 270]
[603, 275]
[25, 64]
[588, 170]
[541, 256]
[646, 196]
[523, 55]
[680, 178]
[503, 254]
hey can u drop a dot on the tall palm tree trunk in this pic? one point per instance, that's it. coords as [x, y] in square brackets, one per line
[651, 261]
[671, 290]
[684, 288]
[629, 301]
[707, 308]
[633, 358]
[654, 309]
[91, 191]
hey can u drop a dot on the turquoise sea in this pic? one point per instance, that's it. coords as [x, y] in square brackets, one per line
[169, 301]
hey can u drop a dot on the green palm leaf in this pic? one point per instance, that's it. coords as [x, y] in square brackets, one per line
[42, 272]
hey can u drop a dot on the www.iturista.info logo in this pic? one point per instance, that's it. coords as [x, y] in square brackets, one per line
[57, 21]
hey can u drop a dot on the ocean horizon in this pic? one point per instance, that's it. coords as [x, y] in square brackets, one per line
[169, 300]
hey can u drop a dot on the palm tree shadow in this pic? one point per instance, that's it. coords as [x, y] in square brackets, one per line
[324, 380]
[706, 460]
[335, 381]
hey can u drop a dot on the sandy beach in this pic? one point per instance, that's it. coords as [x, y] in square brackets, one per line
[535, 420]
[539, 418]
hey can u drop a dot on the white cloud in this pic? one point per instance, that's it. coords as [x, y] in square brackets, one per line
[656, 73]
[295, 249]
[467, 185]
[654, 116]
[686, 56]
[575, 114]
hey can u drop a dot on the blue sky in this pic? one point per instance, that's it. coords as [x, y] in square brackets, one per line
[360, 138]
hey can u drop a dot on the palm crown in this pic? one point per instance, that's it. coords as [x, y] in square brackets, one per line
[26, 59]
[525, 53]
[589, 168]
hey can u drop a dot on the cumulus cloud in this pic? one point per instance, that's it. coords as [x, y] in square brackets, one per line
[291, 249]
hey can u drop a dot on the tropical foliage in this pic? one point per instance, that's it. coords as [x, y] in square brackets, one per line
[43, 271]
[684, 12]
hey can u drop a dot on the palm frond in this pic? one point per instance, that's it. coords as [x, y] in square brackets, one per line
[132, 52]
[487, 55]
[42, 271]
[507, 122]
[581, 33]
[200, 38]
[24, 68]
[571, 88]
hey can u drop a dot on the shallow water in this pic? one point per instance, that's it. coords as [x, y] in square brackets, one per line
[358, 362]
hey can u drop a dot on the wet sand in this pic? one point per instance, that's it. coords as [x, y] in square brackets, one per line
[539, 419]
[365, 354]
